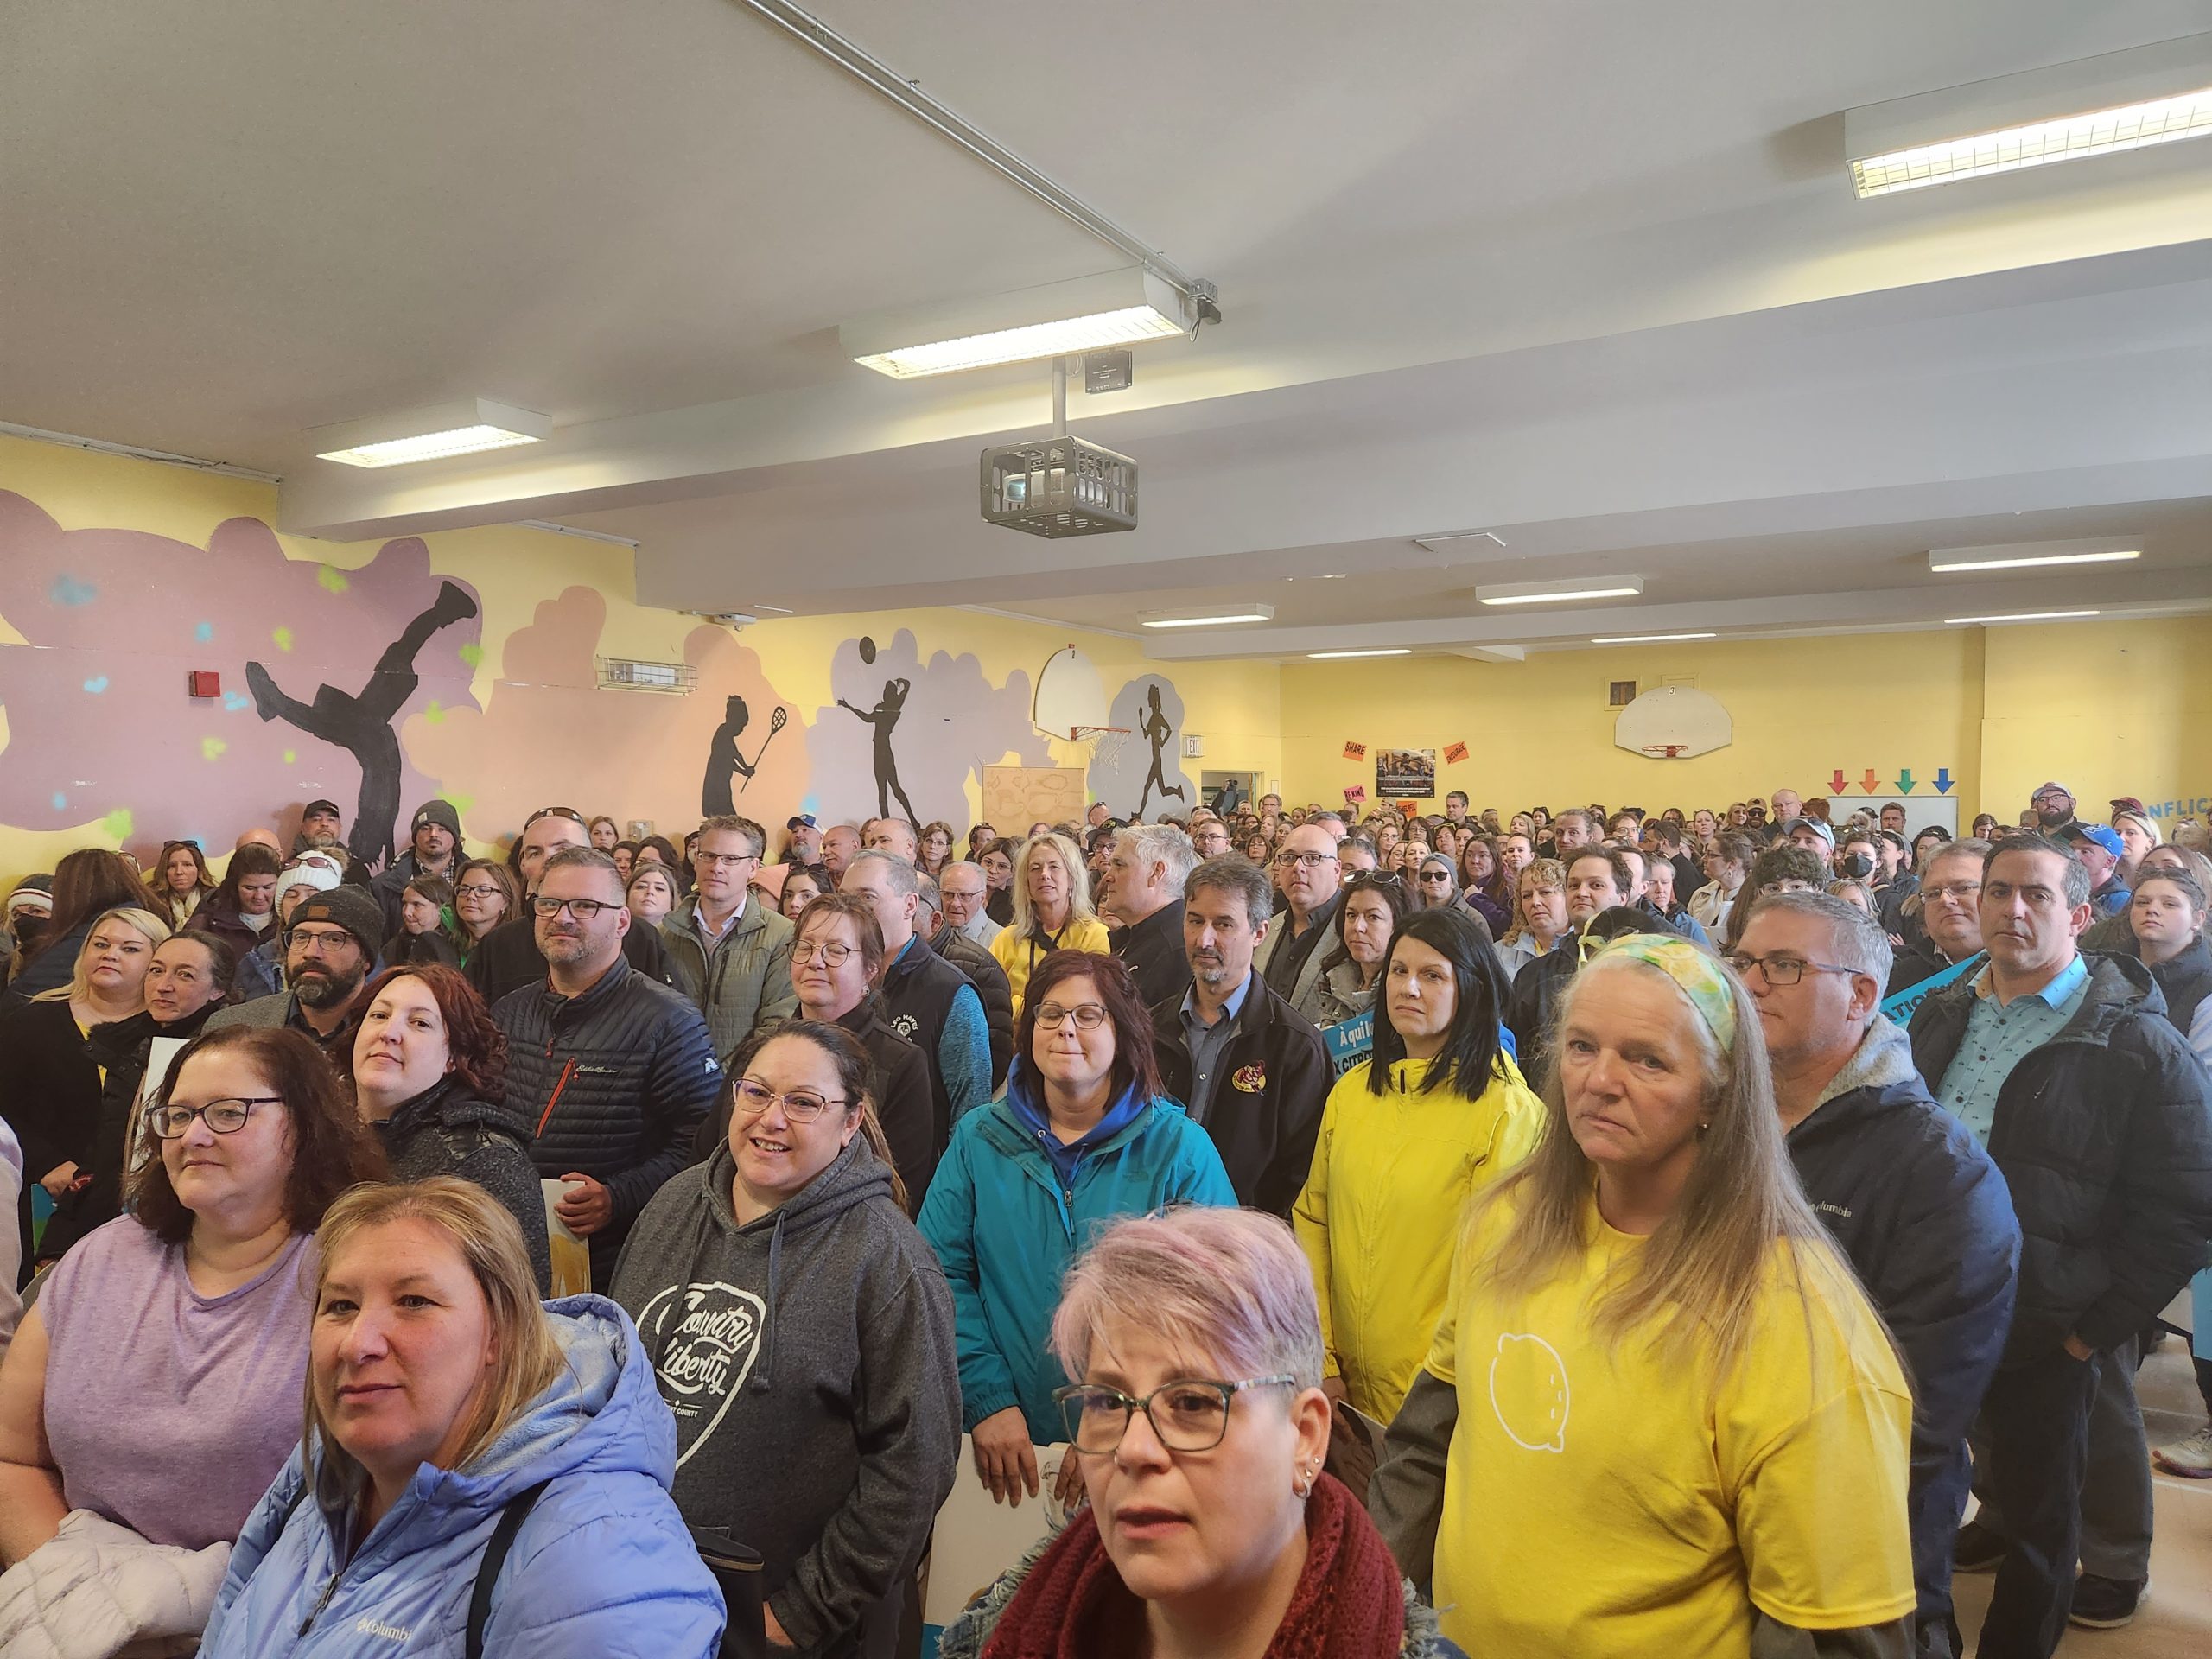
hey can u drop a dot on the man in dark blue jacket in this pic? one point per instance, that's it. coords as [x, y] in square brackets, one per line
[2065, 1067]
[1915, 1204]
[615, 1071]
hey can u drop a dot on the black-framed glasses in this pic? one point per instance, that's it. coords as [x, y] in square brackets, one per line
[801, 1107]
[584, 910]
[1287, 859]
[476, 890]
[701, 856]
[1088, 1016]
[1191, 1415]
[225, 1117]
[1781, 970]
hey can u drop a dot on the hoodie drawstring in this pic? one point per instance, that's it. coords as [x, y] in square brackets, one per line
[765, 1366]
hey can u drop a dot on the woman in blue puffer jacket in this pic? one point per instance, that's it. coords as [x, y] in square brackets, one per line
[446, 1407]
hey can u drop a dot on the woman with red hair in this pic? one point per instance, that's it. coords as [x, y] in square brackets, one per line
[429, 1073]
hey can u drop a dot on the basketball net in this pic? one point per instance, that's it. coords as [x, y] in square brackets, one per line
[1103, 743]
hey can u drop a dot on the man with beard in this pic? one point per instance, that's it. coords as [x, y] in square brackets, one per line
[330, 948]
[2052, 809]
[1250, 1069]
[322, 830]
[433, 849]
[615, 1070]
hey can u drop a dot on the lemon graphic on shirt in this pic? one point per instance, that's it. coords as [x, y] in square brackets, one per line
[1528, 1389]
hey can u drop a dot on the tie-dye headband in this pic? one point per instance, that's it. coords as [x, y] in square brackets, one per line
[1699, 975]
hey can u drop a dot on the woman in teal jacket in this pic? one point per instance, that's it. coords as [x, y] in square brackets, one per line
[1082, 1136]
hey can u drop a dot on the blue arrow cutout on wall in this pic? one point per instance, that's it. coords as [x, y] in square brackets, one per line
[1942, 780]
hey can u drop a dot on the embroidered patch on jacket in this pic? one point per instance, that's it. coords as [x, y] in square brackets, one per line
[1250, 1080]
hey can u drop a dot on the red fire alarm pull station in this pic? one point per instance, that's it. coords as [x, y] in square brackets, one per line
[206, 683]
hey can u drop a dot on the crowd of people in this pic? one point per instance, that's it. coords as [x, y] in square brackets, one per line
[1584, 1232]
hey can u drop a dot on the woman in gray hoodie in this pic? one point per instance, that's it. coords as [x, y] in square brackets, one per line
[802, 1332]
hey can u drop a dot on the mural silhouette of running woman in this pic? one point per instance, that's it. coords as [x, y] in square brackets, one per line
[361, 723]
[725, 759]
[884, 717]
[1157, 732]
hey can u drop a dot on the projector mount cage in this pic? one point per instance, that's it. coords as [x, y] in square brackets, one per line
[1061, 484]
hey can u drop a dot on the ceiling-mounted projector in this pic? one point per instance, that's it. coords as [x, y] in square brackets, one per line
[1059, 486]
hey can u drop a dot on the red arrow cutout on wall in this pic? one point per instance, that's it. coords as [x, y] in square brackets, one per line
[1836, 782]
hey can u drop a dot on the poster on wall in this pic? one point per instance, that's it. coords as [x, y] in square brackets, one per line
[1410, 772]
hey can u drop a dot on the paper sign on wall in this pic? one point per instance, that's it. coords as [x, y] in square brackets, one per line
[1355, 750]
[1405, 772]
[1455, 752]
[1355, 792]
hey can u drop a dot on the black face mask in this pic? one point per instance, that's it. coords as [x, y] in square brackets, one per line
[1858, 865]
[30, 928]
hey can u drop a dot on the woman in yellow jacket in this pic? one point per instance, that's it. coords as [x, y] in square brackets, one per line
[1051, 910]
[1407, 1137]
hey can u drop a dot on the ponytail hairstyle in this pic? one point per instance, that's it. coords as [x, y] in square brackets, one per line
[855, 1072]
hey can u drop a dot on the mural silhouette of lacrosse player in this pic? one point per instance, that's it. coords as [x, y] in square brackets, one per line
[361, 723]
[1157, 732]
[725, 758]
[884, 717]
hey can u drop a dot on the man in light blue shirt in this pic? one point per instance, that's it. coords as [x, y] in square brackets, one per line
[2001, 1034]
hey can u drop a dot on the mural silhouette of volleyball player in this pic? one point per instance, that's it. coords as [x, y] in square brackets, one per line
[360, 723]
[885, 717]
[1157, 732]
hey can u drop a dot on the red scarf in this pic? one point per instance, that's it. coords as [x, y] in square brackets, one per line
[1072, 1605]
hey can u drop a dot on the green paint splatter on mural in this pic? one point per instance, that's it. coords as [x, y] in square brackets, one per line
[283, 638]
[461, 804]
[118, 825]
[434, 712]
[211, 748]
[472, 655]
[290, 755]
[333, 579]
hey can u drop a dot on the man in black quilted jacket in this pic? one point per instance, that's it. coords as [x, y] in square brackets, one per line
[614, 1071]
[2064, 1066]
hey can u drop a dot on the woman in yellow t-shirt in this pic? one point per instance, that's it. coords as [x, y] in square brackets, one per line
[1659, 1414]
[1406, 1138]
[1051, 910]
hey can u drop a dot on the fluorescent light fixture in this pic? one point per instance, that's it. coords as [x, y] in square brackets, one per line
[1121, 307]
[465, 428]
[2146, 95]
[1249, 614]
[1377, 650]
[2020, 556]
[1560, 592]
[2018, 616]
[1650, 639]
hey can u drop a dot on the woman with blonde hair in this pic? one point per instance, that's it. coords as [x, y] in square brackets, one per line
[49, 1081]
[1051, 910]
[1719, 1424]
[454, 1424]
[1538, 915]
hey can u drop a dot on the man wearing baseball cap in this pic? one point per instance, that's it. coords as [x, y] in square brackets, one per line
[322, 830]
[2101, 851]
[802, 840]
[1815, 836]
[330, 950]
[433, 849]
[2053, 806]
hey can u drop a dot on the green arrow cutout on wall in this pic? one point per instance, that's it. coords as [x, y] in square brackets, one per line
[1904, 781]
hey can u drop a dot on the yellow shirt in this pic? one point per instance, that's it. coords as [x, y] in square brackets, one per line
[1392, 1174]
[1017, 956]
[1604, 1502]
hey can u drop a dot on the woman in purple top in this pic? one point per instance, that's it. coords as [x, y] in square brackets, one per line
[157, 1379]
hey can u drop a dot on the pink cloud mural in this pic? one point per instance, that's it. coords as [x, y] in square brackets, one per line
[903, 737]
[319, 669]
[549, 737]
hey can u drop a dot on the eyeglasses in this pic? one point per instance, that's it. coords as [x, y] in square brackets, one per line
[1304, 860]
[1958, 893]
[224, 1117]
[1781, 970]
[720, 858]
[1088, 1016]
[584, 910]
[755, 1098]
[835, 952]
[1436, 875]
[1188, 1416]
[476, 890]
[323, 941]
[568, 812]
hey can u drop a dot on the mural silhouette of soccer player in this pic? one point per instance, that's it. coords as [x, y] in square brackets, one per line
[1157, 732]
[725, 759]
[360, 723]
[884, 717]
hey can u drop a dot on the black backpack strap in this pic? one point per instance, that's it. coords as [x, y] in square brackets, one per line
[495, 1556]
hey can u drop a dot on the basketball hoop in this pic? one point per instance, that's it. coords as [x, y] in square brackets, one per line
[1103, 742]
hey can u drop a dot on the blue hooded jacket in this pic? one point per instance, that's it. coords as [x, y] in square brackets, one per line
[604, 1567]
[1006, 1218]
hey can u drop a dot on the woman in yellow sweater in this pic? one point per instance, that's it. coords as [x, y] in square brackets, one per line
[1051, 910]
[1659, 1416]
[1435, 1115]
